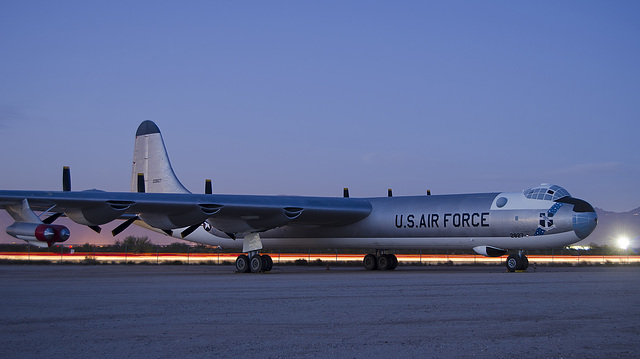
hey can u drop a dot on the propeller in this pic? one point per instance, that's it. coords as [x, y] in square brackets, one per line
[141, 183]
[345, 193]
[389, 193]
[96, 229]
[208, 189]
[190, 230]
[66, 187]
[52, 218]
[66, 179]
[124, 225]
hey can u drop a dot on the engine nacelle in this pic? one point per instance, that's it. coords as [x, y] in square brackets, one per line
[489, 251]
[182, 219]
[99, 214]
[48, 233]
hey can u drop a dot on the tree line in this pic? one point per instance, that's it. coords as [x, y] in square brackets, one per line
[133, 244]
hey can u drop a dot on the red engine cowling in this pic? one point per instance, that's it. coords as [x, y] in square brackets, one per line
[49, 233]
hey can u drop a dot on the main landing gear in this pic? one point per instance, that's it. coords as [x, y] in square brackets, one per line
[517, 262]
[380, 261]
[254, 263]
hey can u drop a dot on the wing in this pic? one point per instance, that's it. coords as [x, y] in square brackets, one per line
[166, 211]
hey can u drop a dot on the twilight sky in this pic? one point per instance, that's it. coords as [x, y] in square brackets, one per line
[305, 98]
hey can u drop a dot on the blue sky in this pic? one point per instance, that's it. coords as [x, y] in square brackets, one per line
[306, 98]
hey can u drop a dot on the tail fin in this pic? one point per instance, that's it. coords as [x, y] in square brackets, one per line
[150, 158]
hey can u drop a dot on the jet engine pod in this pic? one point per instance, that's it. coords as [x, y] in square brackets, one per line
[49, 233]
[99, 214]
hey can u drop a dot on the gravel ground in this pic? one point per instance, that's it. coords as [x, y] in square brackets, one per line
[147, 311]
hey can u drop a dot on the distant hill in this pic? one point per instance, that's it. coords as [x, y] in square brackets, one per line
[613, 225]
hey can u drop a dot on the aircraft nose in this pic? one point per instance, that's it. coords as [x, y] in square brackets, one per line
[585, 218]
[584, 223]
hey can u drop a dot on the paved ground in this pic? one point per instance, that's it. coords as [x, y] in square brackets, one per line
[208, 311]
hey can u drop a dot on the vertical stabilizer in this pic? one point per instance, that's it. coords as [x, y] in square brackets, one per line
[150, 158]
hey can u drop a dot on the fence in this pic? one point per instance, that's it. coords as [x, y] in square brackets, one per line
[221, 258]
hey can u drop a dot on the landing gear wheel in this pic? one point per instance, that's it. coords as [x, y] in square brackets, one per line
[370, 262]
[384, 262]
[525, 262]
[514, 263]
[267, 263]
[242, 263]
[256, 264]
[394, 261]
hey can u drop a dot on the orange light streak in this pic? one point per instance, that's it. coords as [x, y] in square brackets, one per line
[214, 258]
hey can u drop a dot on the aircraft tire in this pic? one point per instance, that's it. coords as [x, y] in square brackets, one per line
[256, 265]
[384, 262]
[525, 262]
[514, 263]
[394, 261]
[370, 262]
[242, 263]
[267, 263]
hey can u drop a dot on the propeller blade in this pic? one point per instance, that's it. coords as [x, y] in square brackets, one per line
[141, 183]
[189, 230]
[208, 188]
[96, 229]
[389, 193]
[124, 226]
[66, 179]
[168, 232]
[51, 218]
[345, 193]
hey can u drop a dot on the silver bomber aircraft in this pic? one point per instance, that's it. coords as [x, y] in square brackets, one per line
[492, 224]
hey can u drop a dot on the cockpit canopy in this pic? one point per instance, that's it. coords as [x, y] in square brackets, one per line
[547, 192]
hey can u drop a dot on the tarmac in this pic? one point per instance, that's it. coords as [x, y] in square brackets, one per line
[204, 311]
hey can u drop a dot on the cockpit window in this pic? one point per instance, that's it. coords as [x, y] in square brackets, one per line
[547, 192]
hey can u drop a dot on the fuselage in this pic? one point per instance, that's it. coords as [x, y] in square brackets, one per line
[516, 220]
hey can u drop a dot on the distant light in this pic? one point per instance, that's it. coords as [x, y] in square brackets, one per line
[580, 248]
[623, 242]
